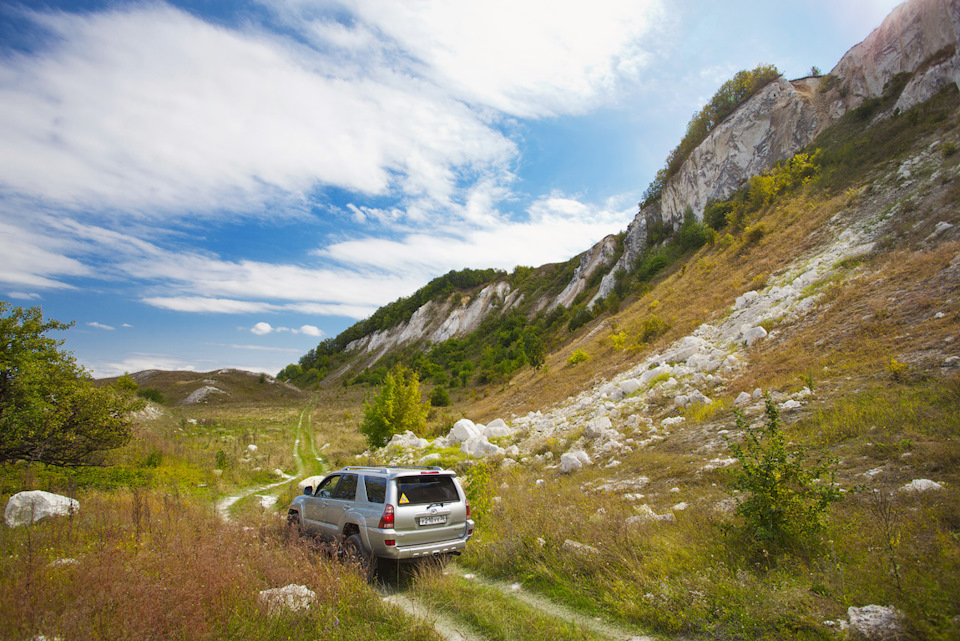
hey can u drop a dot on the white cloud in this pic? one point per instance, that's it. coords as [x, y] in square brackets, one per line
[24, 295]
[529, 59]
[100, 326]
[559, 228]
[34, 260]
[261, 328]
[203, 119]
[310, 330]
[202, 304]
[266, 348]
[139, 362]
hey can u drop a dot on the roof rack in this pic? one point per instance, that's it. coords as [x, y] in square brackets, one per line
[384, 468]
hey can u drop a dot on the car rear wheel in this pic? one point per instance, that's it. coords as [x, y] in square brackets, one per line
[354, 552]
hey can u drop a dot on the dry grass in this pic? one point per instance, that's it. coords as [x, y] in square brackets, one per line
[140, 565]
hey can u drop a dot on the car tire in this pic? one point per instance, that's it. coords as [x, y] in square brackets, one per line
[355, 553]
[294, 527]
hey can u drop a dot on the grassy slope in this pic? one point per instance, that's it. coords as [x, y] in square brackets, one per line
[884, 405]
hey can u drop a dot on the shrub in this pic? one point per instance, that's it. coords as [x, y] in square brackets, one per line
[439, 397]
[396, 409]
[151, 394]
[578, 356]
[652, 328]
[786, 501]
[753, 233]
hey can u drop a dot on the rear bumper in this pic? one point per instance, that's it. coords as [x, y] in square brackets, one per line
[416, 551]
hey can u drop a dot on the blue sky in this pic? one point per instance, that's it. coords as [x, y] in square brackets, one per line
[219, 183]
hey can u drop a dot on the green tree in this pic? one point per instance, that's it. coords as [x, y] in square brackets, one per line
[396, 409]
[440, 397]
[786, 501]
[50, 410]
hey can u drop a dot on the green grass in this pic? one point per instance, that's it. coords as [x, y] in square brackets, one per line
[495, 615]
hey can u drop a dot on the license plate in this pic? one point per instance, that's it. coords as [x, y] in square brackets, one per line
[432, 520]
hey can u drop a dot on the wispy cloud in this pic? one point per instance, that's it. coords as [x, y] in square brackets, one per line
[97, 325]
[262, 328]
[206, 119]
[529, 59]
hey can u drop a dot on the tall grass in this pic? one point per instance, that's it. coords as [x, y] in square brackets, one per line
[148, 565]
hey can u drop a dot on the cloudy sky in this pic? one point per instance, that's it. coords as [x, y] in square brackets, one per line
[221, 183]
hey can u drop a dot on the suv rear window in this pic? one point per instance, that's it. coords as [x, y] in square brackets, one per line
[418, 490]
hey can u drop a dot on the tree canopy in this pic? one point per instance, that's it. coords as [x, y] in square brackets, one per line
[396, 409]
[50, 409]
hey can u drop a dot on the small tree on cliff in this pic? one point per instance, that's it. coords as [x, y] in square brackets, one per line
[396, 409]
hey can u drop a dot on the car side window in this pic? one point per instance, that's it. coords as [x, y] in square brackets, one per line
[376, 487]
[347, 488]
[326, 489]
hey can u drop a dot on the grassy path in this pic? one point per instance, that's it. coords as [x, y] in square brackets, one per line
[226, 504]
[463, 606]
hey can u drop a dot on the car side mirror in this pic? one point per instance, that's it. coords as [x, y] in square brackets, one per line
[308, 491]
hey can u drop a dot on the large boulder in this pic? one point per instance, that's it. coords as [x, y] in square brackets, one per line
[597, 426]
[480, 447]
[875, 622]
[409, 440]
[574, 460]
[25, 508]
[497, 428]
[463, 430]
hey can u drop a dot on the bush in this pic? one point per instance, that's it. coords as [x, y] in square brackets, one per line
[439, 397]
[786, 501]
[578, 356]
[396, 409]
[151, 394]
[753, 233]
[653, 328]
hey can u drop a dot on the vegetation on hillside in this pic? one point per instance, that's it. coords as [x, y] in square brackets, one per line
[729, 96]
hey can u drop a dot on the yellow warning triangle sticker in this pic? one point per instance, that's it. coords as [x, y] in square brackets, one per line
[404, 499]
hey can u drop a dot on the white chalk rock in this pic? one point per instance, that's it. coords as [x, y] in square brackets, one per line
[25, 508]
[921, 485]
[292, 598]
[463, 430]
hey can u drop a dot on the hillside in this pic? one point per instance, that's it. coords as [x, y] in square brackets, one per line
[755, 122]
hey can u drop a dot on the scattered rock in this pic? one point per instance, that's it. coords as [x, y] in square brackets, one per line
[579, 549]
[291, 598]
[921, 485]
[24, 508]
[875, 622]
[573, 460]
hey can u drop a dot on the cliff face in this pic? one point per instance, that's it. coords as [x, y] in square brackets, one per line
[920, 37]
[438, 321]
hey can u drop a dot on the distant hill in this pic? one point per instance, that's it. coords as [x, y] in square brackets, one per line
[211, 388]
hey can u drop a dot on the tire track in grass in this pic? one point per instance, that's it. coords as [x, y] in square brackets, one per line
[224, 504]
[596, 625]
[446, 627]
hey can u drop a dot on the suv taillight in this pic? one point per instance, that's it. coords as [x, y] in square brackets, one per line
[386, 521]
[468, 510]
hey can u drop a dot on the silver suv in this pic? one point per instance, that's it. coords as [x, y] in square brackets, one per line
[400, 513]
